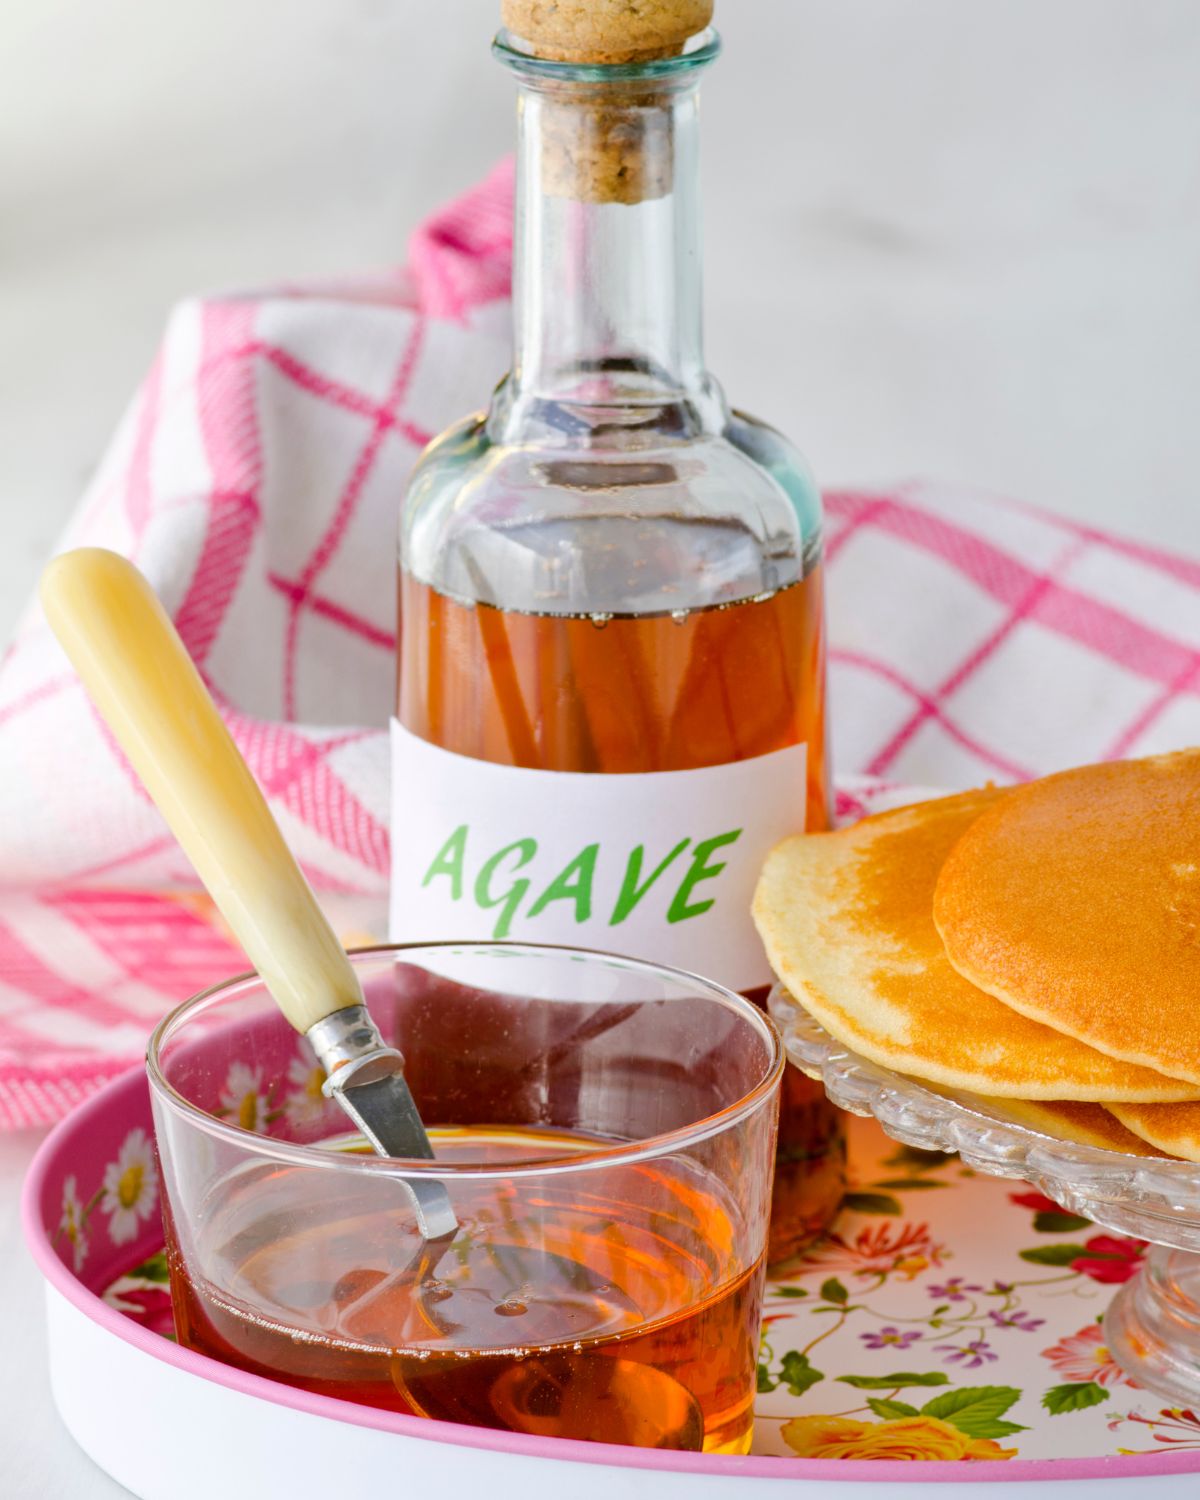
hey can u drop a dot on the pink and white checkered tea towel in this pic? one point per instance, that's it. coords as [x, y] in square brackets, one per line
[256, 480]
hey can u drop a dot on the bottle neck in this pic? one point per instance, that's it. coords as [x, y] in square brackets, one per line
[607, 263]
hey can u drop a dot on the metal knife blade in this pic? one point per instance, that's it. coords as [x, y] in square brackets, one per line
[366, 1077]
[384, 1111]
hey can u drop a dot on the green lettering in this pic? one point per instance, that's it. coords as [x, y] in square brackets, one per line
[573, 883]
[509, 900]
[449, 860]
[631, 892]
[699, 870]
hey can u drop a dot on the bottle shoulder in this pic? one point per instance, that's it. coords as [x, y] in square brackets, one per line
[635, 526]
[771, 451]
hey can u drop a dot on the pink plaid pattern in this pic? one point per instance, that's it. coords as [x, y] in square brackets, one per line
[256, 479]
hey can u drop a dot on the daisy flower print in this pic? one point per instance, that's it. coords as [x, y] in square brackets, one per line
[305, 1105]
[243, 1100]
[72, 1222]
[130, 1190]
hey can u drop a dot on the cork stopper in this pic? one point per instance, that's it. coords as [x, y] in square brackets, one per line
[611, 144]
[606, 31]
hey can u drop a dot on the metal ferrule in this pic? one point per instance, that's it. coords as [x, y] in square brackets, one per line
[349, 1047]
[348, 1038]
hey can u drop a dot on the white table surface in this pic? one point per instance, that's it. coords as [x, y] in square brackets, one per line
[38, 1460]
[959, 242]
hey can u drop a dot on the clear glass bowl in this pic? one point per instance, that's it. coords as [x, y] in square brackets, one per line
[605, 1131]
[1152, 1325]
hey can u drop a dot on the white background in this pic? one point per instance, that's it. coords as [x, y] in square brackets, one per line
[947, 240]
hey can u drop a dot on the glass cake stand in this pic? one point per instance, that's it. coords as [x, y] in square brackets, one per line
[1152, 1325]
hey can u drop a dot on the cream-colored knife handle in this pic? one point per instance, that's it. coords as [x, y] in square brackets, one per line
[147, 690]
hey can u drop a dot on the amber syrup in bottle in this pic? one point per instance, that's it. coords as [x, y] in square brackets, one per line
[611, 669]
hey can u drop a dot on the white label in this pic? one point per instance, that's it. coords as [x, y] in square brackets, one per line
[659, 866]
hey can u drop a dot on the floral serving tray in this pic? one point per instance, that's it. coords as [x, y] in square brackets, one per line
[946, 1330]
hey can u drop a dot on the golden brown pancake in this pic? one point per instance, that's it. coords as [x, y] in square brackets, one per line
[1085, 1124]
[1076, 901]
[1173, 1128]
[847, 922]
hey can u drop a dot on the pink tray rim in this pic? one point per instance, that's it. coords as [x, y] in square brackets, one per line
[919, 1471]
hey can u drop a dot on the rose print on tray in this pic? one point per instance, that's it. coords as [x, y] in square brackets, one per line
[1110, 1258]
[946, 1317]
[919, 1436]
[936, 1277]
[1107, 1258]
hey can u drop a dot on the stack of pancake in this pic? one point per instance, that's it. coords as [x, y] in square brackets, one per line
[1039, 946]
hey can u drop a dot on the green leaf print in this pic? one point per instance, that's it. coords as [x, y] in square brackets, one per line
[915, 1159]
[894, 1382]
[976, 1410]
[1002, 1429]
[911, 1184]
[1077, 1397]
[833, 1291]
[872, 1203]
[887, 1409]
[154, 1269]
[797, 1374]
[1054, 1255]
[1048, 1221]
[789, 1291]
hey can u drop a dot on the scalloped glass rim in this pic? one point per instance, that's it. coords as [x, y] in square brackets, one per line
[1147, 1197]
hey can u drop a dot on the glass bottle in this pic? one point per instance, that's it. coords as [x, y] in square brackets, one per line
[611, 673]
